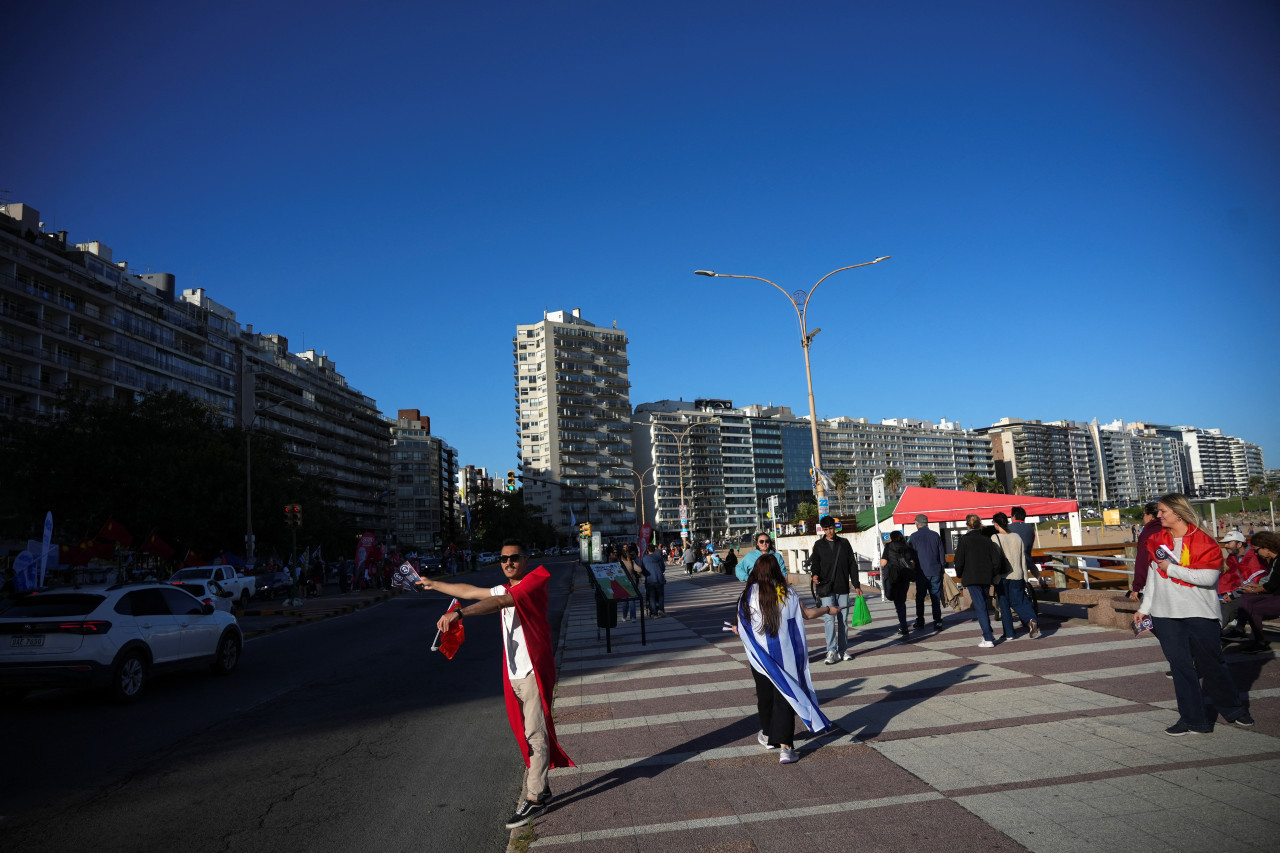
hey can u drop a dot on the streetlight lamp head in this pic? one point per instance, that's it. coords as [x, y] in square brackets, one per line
[885, 258]
[704, 272]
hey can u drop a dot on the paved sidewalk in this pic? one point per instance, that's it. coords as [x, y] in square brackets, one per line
[1054, 744]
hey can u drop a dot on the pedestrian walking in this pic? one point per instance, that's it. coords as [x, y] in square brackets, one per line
[655, 584]
[529, 670]
[977, 568]
[1181, 597]
[897, 569]
[689, 558]
[930, 561]
[1014, 581]
[835, 574]
[770, 624]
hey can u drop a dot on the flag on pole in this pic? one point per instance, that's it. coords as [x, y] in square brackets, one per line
[115, 532]
[448, 644]
[573, 522]
[46, 553]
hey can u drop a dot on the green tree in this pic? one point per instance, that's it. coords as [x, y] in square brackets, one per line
[840, 479]
[892, 480]
[928, 481]
[805, 512]
[971, 481]
[164, 464]
[1020, 485]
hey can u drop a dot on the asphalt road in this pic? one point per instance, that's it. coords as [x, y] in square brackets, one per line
[343, 734]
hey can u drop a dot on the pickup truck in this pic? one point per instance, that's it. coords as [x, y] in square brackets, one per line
[240, 587]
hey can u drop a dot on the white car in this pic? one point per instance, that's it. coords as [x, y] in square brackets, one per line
[115, 637]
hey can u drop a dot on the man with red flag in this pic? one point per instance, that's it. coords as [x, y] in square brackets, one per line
[529, 670]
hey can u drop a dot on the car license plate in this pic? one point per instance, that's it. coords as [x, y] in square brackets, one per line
[35, 640]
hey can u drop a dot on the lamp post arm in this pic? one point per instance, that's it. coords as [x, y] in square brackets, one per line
[799, 311]
[833, 272]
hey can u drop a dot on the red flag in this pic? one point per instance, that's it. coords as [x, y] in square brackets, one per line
[192, 559]
[452, 638]
[115, 532]
[157, 546]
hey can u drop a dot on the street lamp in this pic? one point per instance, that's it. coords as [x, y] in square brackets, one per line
[680, 439]
[800, 301]
[638, 493]
[248, 478]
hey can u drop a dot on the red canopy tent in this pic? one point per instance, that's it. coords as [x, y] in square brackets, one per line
[946, 505]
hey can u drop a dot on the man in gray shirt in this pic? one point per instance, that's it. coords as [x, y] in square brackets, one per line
[930, 558]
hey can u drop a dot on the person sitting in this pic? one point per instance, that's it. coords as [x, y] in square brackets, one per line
[1261, 599]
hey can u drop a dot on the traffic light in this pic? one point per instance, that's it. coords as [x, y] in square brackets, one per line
[288, 515]
[297, 514]
[292, 515]
[586, 530]
[511, 481]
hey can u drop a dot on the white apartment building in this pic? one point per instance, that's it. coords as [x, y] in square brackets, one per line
[1220, 464]
[684, 445]
[1138, 465]
[573, 422]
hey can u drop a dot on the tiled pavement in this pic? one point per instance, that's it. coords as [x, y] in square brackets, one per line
[1049, 745]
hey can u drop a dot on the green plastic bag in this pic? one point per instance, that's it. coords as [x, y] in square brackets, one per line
[859, 613]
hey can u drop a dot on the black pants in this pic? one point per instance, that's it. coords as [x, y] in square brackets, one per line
[777, 719]
[898, 595]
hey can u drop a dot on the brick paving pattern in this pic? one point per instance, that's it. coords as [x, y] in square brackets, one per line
[1047, 745]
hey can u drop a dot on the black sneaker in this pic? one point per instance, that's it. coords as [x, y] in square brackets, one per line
[919, 626]
[1178, 729]
[1243, 720]
[527, 811]
[937, 626]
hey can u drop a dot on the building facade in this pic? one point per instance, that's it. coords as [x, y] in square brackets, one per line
[1220, 465]
[1138, 465]
[1056, 459]
[573, 423]
[424, 469]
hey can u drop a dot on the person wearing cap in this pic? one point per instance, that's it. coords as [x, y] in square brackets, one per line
[1142, 560]
[1243, 567]
[930, 560]
[835, 571]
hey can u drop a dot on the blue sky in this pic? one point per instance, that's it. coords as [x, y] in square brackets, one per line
[1082, 199]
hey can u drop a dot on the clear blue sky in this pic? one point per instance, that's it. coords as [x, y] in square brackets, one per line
[1082, 199]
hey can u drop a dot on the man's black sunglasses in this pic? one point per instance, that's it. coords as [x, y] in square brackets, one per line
[508, 558]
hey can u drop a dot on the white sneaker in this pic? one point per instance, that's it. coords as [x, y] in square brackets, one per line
[764, 741]
[849, 655]
[787, 756]
[832, 657]
[986, 644]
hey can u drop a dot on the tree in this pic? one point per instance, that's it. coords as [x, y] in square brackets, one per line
[840, 479]
[804, 512]
[892, 480]
[971, 481]
[1020, 485]
[928, 481]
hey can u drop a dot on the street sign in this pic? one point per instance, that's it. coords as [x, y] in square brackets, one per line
[684, 513]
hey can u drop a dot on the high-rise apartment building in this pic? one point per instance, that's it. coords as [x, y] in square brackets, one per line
[573, 422]
[329, 428]
[72, 317]
[736, 459]
[1056, 459]
[1138, 465]
[424, 469]
[1220, 464]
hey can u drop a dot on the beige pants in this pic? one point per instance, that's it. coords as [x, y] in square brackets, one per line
[535, 731]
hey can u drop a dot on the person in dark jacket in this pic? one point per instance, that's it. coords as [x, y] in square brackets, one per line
[1142, 560]
[977, 566]
[730, 561]
[897, 570]
[835, 572]
[931, 560]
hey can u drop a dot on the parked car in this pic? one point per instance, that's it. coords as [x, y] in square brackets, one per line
[115, 637]
[210, 593]
[270, 585]
[240, 586]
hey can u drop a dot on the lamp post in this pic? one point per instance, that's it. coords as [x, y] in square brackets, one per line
[248, 479]
[680, 439]
[638, 492]
[800, 301]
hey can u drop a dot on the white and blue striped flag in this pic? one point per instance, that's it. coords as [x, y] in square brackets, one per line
[784, 659]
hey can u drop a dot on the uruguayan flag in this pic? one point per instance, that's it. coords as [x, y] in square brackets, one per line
[783, 659]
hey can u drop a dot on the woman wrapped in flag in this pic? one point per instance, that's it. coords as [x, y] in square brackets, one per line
[770, 624]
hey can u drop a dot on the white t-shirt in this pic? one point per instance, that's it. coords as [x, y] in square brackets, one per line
[514, 648]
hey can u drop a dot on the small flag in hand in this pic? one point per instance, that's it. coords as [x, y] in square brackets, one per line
[452, 639]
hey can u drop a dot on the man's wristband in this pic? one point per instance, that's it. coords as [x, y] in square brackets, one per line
[459, 612]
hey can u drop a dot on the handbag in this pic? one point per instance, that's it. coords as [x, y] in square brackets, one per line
[950, 592]
[859, 613]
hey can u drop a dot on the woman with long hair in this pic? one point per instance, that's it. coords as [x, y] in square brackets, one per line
[1014, 583]
[770, 624]
[1181, 597]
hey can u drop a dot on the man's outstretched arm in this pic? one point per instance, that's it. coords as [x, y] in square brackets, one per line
[456, 590]
[489, 604]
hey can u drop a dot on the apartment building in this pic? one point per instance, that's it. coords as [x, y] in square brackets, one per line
[424, 469]
[331, 430]
[1137, 464]
[1057, 459]
[682, 442]
[1219, 464]
[573, 422]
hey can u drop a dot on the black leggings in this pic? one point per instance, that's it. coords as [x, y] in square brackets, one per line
[777, 719]
[898, 595]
